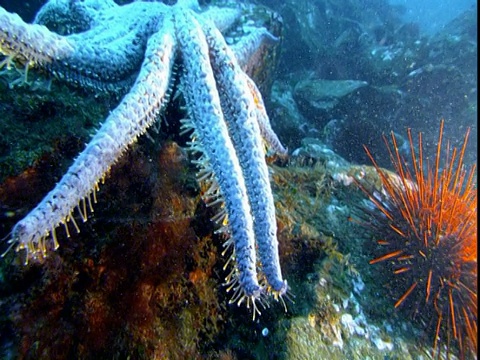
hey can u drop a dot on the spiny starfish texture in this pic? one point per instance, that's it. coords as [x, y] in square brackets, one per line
[140, 48]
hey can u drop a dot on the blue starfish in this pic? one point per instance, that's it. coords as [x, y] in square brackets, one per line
[135, 48]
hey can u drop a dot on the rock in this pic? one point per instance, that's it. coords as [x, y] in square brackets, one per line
[323, 95]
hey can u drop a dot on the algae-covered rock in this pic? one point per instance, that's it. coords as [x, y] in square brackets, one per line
[324, 94]
[320, 94]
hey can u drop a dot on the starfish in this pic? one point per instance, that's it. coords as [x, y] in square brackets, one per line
[141, 49]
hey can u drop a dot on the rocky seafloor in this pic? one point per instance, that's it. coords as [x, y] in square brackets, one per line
[143, 278]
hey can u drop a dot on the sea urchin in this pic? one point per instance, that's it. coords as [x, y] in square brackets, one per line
[425, 223]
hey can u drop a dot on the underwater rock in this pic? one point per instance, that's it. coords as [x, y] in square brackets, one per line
[320, 95]
[340, 311]
[443, 84]
[320, 247]
[315, 151]
[133, 277]
[288, 121]
[41, 115]
[414, 80]
[337, 314]
[303, 108]
[328, 36]
[175, 293]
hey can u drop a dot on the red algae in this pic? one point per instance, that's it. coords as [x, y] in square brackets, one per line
[139, 285]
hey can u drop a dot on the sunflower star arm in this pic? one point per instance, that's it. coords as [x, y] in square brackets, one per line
[108, 54]
[103, 55]
[241, 115]
[71, 16]
[211, 130]
[248, 50]
[221, 17]
[30, 44]
[135, 113]
[269, 136]
[101, 63]
[76, 59]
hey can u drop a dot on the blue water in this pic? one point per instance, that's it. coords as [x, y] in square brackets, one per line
[432, 15]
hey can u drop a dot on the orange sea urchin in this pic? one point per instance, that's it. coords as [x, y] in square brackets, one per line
[425, 220]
